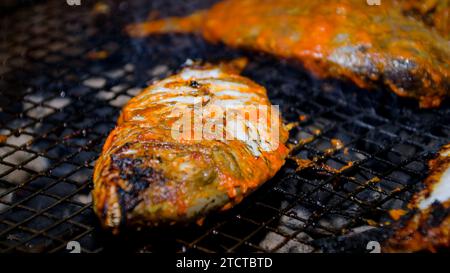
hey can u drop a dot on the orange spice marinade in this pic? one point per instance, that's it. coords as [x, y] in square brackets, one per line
[435, 14]
[347, 39]
[147, 177]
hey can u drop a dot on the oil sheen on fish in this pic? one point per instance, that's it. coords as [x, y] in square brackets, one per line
[427, 227]
[149, 175]
[369, 45]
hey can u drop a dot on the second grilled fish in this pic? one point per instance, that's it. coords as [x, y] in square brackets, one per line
[146, 177]
[427, 226]
[341, 38]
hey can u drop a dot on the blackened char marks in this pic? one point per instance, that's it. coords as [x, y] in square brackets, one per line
[137, 177]
[437, 215]
[406, 74]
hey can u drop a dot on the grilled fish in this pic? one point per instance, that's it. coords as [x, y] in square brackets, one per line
[151, 173]
[428, 226]
[343, 39]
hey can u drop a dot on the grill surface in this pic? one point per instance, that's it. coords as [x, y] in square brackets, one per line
[60, 98]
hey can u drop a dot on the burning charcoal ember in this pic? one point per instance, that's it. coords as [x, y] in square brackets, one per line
[3, 139]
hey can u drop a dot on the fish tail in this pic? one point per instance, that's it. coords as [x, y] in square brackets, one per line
[188, 24]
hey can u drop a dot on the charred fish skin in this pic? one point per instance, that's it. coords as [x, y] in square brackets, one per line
[427, 226]
[433, 13]
[145, 177]
[345, 39]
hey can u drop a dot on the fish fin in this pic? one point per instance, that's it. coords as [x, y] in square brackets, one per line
[235, 65]
[188, 24]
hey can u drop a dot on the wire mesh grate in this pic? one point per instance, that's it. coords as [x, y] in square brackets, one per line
[66, 71]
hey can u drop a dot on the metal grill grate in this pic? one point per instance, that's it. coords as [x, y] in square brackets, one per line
[65, 72]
